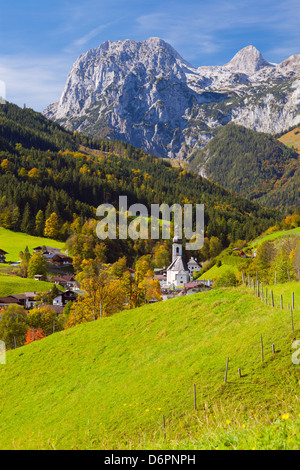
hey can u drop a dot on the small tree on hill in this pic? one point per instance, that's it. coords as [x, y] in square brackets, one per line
[37, 265]
[34, 335]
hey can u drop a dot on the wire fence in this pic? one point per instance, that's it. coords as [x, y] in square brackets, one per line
[261, 348]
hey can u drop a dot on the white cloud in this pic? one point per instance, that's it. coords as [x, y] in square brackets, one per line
[87, 38]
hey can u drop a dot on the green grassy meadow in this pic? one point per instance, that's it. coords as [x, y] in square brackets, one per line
[16, 285]
[274, 236]
[108, 384]
[229, 263]
[14, 242]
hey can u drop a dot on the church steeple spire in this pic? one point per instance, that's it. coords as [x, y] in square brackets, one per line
[177, 244]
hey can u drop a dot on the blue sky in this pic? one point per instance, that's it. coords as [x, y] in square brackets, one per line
[39, 41]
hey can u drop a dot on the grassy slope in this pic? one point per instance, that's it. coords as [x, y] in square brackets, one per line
[231, 262]
[292, 139]
[107, 384]
[274, 236]
[14, 242]
[16, 285]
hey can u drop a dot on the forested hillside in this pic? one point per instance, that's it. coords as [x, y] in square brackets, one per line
[45, 170]
[253, 164]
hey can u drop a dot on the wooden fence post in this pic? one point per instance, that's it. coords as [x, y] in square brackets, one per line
[226, 372]
[272, 298]
[292, 320]
[293, 300]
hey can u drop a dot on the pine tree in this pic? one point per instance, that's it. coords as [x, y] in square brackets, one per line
[15, 219]
[26, 221]
[39, 223]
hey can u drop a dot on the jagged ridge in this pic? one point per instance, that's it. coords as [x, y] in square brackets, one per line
[146, 94]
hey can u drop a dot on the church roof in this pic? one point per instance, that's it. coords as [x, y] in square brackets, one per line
[178, 265]
[193, 262]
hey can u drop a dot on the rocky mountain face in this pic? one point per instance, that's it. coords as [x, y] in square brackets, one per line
[145, 93]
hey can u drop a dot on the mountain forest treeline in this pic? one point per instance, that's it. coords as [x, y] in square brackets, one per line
[50, 177]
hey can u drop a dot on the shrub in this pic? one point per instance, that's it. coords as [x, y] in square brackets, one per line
[227, 279]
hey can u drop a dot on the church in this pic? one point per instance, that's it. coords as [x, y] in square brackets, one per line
[179, 272]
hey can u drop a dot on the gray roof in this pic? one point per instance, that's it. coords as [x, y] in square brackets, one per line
[178, 265]
[193, 262]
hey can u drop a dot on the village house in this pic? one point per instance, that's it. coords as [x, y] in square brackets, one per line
[62, 299]
[61, 260]
[31, 299]
[197, 286]
[46, 250]
[54, 255]
[194, 267]
[2, 256]
[68, 282]
[11, 300]
[27, 300]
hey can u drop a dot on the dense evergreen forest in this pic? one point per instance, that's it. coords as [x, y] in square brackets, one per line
[45, 170]
[253, 164]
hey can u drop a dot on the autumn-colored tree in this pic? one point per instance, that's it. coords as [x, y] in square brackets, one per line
[142, 266]
[106, 292]
[34, 173]
[46, 319]
[144, 288]
[52, 226]
[148, 289]
[161, 256]
[37, 265]
[34, 335]
[13, 326]
[7, 166]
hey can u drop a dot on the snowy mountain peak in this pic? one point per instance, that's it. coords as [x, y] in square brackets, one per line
[248, 60]
[145, 93]
[292, 63]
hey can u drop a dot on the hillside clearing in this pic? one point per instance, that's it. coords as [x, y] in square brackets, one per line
[10, 285]
[14, 242]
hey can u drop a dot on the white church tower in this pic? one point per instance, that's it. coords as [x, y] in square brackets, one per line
[177, 245]
[178, 272]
